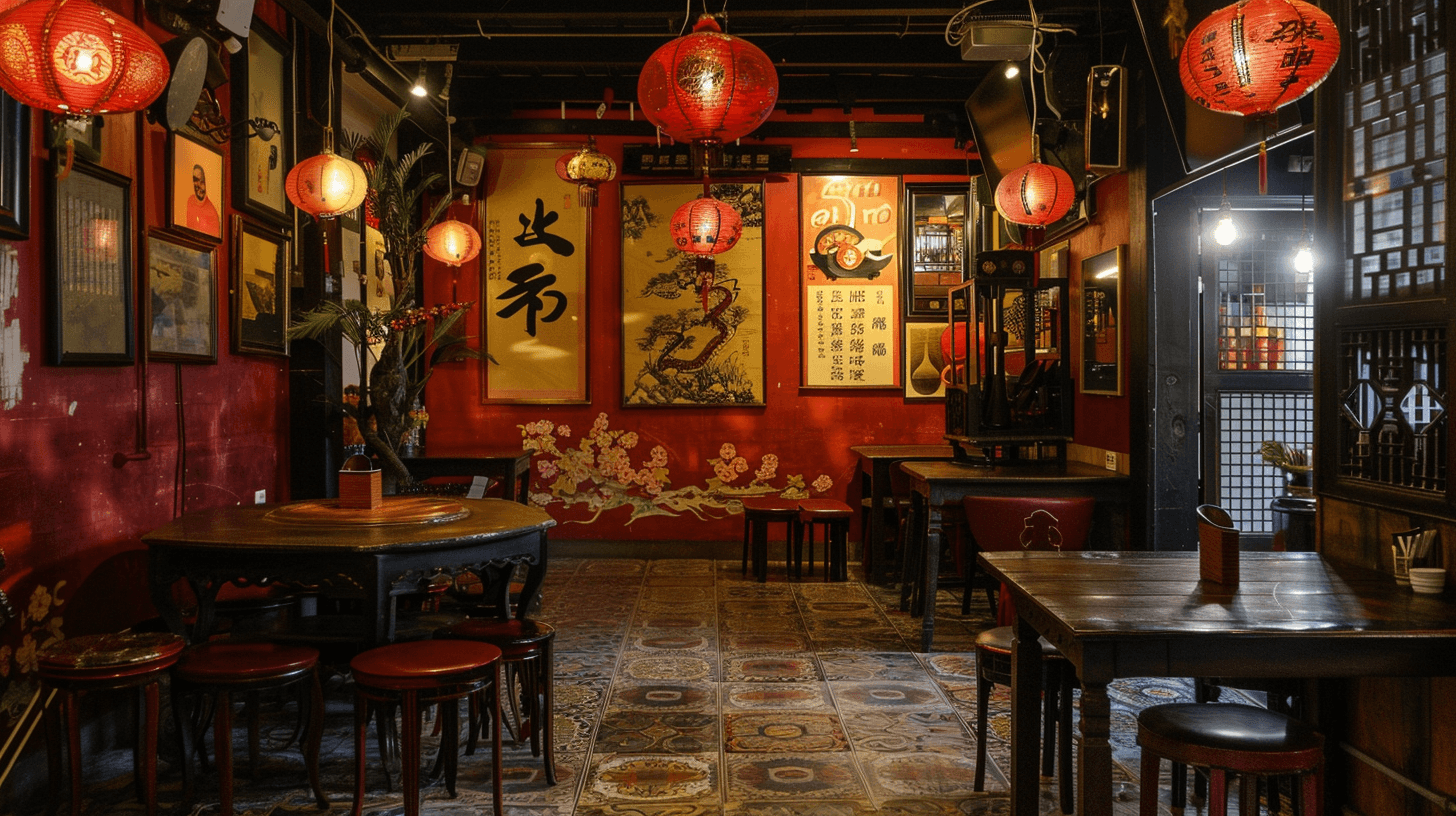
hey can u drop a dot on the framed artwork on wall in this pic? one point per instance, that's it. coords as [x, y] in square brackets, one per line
[849, 275]
[194, 182]
[14, 169]
[262, 84]
[1052, 261]
[259, 292]
[533, 276]
[924, 361]
[682, 346]
[1102, 322]
[90, 282]
[181, 299]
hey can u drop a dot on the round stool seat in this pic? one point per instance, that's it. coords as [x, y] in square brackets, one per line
[770, 506]
[423, 664]
[110, 657]
[243, 662]
[1228, 727]
[998, 639]
[823, 509]
[513, 637]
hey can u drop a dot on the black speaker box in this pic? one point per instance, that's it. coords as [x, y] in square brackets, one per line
[1105, 133]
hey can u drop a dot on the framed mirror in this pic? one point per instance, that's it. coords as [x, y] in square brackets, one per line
[1102, 322]
[937, 226]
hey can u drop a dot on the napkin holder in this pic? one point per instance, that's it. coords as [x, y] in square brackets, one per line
[361, 484]
[1218, 546]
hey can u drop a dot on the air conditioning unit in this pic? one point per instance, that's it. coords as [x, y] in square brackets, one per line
[996, 40]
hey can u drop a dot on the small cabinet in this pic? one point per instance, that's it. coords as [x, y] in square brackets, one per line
[936, 221]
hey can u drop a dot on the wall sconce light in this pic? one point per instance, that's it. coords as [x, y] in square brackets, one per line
[264, 129]
[419, 89]
[853, 139]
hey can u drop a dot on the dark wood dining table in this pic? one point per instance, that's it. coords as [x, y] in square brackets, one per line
[937, 484]
[371, 556]
[876, 463]
[509, 466]
[1147, 614]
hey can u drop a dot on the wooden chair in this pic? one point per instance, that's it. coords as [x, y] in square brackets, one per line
[758, 513]
[835, 516]
[1229, 738]
[1011, 523]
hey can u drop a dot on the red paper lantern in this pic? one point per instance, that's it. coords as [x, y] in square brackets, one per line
[1035, 194]
[452, 242]
[326, 185]
[1252, 57]
[76, 58]
[705, 227]
[586, 168]
[707, 87]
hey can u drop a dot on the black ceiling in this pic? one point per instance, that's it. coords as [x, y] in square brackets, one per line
[830, 54]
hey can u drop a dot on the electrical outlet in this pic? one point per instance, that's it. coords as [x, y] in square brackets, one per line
[1111, 460]
[260, 497]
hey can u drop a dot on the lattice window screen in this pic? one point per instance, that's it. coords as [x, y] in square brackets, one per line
[1393, 406]
[1265, 308]
[1246, 420]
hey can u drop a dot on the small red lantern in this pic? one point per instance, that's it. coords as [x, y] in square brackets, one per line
[586, 168]
[1254, 56]
[1035, 194]
[453, 242]
[76, 58]
[707, 88]
[705, 227]
[328, 184]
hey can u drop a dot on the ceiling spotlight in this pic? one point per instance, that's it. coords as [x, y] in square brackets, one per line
[419, 89]
[853, 139]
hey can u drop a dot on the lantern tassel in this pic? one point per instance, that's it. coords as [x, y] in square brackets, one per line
[64, 171]
[1263, 169]
[706, 270]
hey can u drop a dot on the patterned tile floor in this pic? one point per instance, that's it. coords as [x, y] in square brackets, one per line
[683, 688]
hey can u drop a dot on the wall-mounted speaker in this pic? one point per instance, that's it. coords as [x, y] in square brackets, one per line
[470, 167]
[1105, 134]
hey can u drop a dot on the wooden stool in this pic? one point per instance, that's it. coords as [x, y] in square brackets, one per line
[424, 671]
[220, 668]
[758, 512]
[835, 516]
[1242, 739]
[993, 667]
[526, 649]
[99, 662]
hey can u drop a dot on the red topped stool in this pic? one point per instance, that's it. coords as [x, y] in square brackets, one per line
[221, 668]
[835, 516]
[758, 513]
[526, 650]
[79, 665]
[424, 671]
[1228, 738]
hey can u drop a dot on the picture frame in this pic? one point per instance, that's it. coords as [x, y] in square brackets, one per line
[849, 280]
[90, 282]
[924, 361]
[194, 177]
[533, 304]
[14, 169]
[259, 291]
[181, 293]
[675, 352]
[1101, 354]
[262, 83]
[1052, 261]
[937, 234]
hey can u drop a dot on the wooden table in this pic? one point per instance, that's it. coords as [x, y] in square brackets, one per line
[937, 484]
[1147, 615]
[509, 466]
[875, 465]
[367, 557]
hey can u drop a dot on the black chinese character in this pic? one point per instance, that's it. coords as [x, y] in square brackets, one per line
[533, 231]
[527, 294]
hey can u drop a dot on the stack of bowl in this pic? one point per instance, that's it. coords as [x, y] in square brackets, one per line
[1429, 580]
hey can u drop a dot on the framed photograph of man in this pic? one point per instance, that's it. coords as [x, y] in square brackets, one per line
[194, 188]
[259, 288]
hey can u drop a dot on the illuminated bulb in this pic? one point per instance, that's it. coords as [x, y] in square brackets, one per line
[1013, 71]
[1304, 258]
[1225, 232]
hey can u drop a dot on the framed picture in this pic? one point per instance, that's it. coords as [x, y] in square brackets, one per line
[194, 177]
[90, 282]
[688, 340]
[259, 292]
[937, 231]
[1101, 322]
[533, 273]
[181, 299]
[849, 273]
[83, 135]
[262, 84]
[14, 169]
[1052, 261]
[924, 361]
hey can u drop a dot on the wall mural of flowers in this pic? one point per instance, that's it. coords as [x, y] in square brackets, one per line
[597, 472]
[39, 624]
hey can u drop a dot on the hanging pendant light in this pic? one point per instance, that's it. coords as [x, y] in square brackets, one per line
[587, 168]
[453, 242]
[705, 227]
[75, 58]
[1255, 56]
[707, 88]
[326, 185]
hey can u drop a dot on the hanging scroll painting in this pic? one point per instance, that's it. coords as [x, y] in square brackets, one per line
[849, 276]
[534, 299]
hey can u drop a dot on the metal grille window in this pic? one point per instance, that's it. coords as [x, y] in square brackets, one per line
[1392, 407]
[1246, 420]
[1265, 308]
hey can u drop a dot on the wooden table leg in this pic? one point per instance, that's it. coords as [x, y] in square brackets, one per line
[1094, 768]
[1026, 720]
[931, 583]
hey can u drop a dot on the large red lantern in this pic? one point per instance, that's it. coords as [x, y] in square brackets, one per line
[328, 184]
[75, 58]
[705, 227]
[707, 88]
[1035, 194]
[1256, 55]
